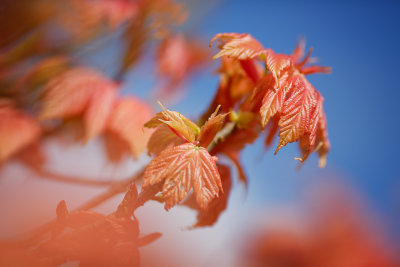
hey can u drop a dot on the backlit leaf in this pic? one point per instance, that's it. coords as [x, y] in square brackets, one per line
[238, 46]
[211, 128]
[181, 168]
[182, 126]
[161, 139]
[276, 63]
[210, 216]
[300, 114]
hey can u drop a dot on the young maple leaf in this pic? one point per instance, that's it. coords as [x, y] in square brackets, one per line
[17, 130]
[238, 46]
[80, 92]
[300, 115]
[234, 143]
[181, 168]
[179, 124]
[210, 216]
[161, 139]
[210, 129]
[234, 85]
[244, 47]
[124, 131]
[300, 62]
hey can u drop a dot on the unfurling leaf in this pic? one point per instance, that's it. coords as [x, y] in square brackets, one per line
[212, 126]
[276, 63]
[272, 98]
[17, 130]
[182, 126]
[300, 62]
[181, 168]
[238, 46]
[300, 115]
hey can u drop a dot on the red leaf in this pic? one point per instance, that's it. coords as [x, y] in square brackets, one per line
[210, 216]
[277, 63]
[184, 167]
[211, 128]
[300, 114]
[273, 98]
[17, 130]
[238, 46]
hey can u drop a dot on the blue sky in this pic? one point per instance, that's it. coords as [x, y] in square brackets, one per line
[360, 41]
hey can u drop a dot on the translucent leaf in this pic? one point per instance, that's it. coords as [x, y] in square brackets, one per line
[161, 139]
[238, 46]
[211, 128]
[181, 168]
[276, 63]
[272, 97]
[210, 216]
[182, 126]
[300, 114]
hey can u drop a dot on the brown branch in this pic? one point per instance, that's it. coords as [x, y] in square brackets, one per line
[45, 174]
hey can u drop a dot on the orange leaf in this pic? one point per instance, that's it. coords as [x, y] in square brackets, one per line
[17, 130]
[238, 46]
[161, 139]
[80, 91]
[210, 216]
[211, 128]
[182, 126]
[300, 114]
[184, 167]
[126, 121]
[98, 112]
[272, 100]
[276, 63]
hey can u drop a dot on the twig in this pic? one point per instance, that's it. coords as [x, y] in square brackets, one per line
[45, 174]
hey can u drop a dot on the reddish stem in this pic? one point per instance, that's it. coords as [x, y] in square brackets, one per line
[250, 68]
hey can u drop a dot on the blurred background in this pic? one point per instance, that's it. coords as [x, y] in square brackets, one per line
[360, 184]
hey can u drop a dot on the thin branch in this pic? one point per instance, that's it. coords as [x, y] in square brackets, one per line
[45, 174]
